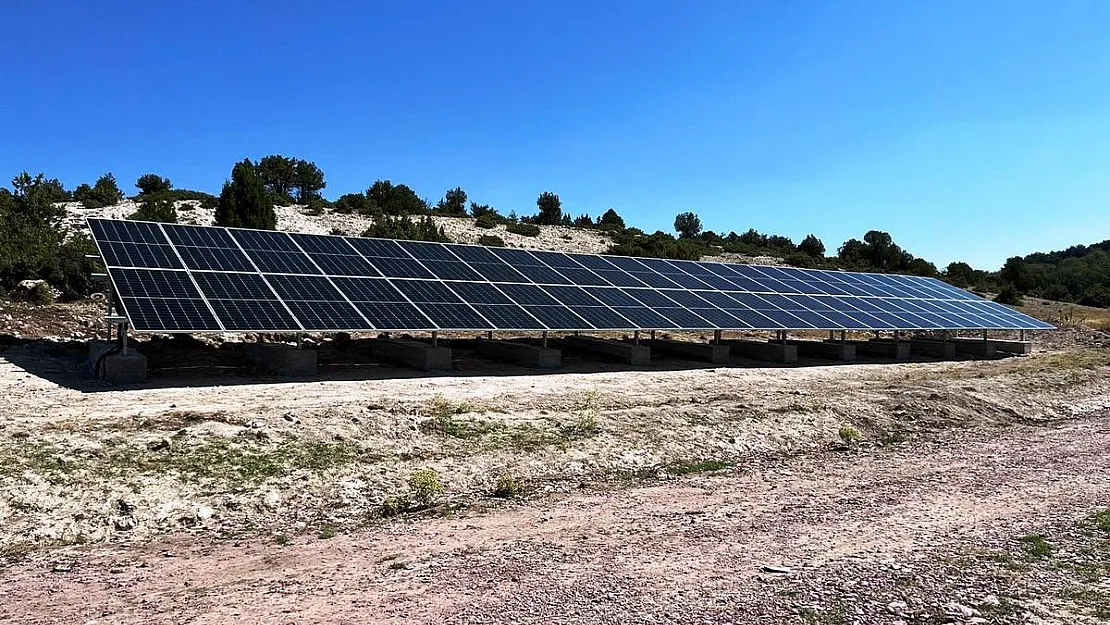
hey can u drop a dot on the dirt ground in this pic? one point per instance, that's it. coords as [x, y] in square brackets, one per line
[919, 492]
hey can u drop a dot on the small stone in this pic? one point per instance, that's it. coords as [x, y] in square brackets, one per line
[774, 568]
[205, 512]
[162, 444]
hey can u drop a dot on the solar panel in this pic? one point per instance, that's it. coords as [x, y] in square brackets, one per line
[176, 278]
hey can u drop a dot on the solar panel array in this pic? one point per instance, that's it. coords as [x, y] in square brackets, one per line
[178, 278]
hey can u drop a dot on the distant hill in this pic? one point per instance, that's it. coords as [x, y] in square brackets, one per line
[1078, 274]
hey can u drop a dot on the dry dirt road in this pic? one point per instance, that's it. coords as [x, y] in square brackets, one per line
[946, 529]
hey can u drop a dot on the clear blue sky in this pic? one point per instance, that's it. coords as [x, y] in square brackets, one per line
[968, 130]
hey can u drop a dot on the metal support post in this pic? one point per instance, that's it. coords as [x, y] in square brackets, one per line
[636, 338]
[984, 336]
[843, 337]
[653, 335]
[489, 335]
[716, 337]
[545, 339]
[123, 338]
[1021, 336]
[435, 339]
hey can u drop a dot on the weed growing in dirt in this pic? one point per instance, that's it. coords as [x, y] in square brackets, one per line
[442, 414]
[701, 466]
[281, 539]
[425, 485]
[1096, 601]
[849, 434]
[326, 532]
[392, 506]
[1035, 546]
[508, 486]
[1099, 521]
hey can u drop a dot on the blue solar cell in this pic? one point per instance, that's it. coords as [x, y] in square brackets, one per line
[689, 299]
[328, 316]
[643, 318]
[377, 248]
[480, 293]
[651, 298]
[719, 318]
[399, 267]
[554, 259]
[169, 315]
[451, 270]
[656, 280]
[499, 272]
[619, 278]
[572, 296]
[685, 319]
[394, 316]
[717, 282]
[542, 275]
[688, 281]
[527, 295]
[425, 291]
[238, 286]
[509, 317]
[368, 290]
[344, 265]
[558, 318]
[627, 263]
[455, 317]
[613, 297]
[116, 254]
[589, 261]
[516, 258]
[319, 244]
[153, 283]
[474, 254]
[264, 240]
[422, 250]
[126, 231]
[582, 277]
[604, 319]
[304, 288]
[256, 314]
[215, 258]
[756, 320]
[198, 236]
[282, 262]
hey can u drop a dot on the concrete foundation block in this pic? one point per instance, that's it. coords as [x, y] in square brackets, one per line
[416, 354]
[1007, 347]
[707, 352]
[937, 349]
[520, 353]
[828, 350]
[760, 350]
[117, 368]
[973, 347]
[617, 351]
[886, 349]
[283, 360]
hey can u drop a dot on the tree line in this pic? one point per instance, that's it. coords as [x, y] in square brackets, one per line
[30, 213]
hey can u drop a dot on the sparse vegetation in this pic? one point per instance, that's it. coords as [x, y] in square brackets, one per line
[491, 240]
[508, 485]
[848, 433]
[699, 466]
[327, 532]
[486, 221]
[524, 230]
[1035, 547]
[425, 485]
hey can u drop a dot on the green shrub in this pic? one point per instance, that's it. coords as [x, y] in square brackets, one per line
[104, 193]
[524, 230]
[849, 434]
[508, 486]
[486, 221]
[425, 485]
[403, 227]
[491, 240]
[156, 207]
[1008, 295]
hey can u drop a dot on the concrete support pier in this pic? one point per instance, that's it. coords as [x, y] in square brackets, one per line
[974, 347]
[519, 353]
[707, 352]
[117, 368]
[283, 360]
[772, 351]
[828, 350]
[617, 351]
[899, 350]
[945, 350]
[412, 353]
[1008, 347]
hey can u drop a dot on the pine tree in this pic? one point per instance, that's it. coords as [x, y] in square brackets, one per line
[244, 202]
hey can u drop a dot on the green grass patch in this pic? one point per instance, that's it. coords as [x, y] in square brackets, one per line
[1094, 601]
[1035, 547]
